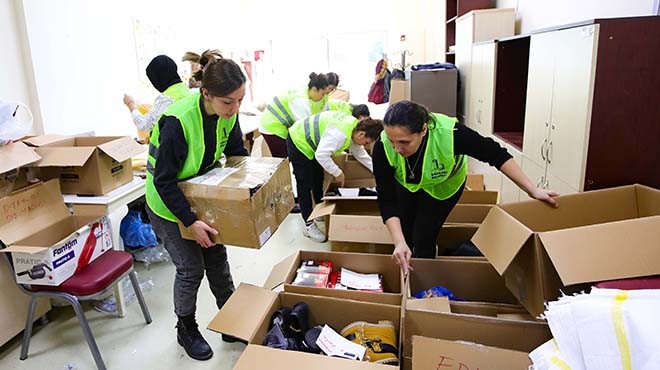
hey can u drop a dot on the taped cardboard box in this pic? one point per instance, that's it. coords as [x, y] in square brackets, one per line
[247, 313]
[433, 354]
[47, 243]
[86, 165]
[245, 200]
[285, 273]
[12, 158]
[593, 236]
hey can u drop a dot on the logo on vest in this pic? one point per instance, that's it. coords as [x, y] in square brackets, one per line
[438, 170]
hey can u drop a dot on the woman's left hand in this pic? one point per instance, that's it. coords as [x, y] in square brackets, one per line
[545, 195]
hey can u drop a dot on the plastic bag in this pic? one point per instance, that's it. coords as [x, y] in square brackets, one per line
[151, 255]
[135, 232]
[15, 120]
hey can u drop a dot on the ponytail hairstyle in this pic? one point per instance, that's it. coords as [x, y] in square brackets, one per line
[202, 60]
[371, 127]
[408, 114]
[317, 80]
[221, 77]
[333, 78]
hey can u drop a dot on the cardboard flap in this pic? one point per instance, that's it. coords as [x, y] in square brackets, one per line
[122, 148]
[243, 312]
[31, 210]
[500, 237]
[23, 249]
[279, 272]
[478, 197]
[64, 156]
[648, 201]
[436, 304]
[340, 198]
[257, 357]
[323, 209]
[615, 250]
[430, 353]
[15, 155]
[45, 139]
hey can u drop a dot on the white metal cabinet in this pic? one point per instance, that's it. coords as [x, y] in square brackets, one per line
[482, 90]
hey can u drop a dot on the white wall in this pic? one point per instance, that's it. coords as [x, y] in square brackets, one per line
[16, 78]
[536, 14]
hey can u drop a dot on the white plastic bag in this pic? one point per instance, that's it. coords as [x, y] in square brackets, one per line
[15, 121]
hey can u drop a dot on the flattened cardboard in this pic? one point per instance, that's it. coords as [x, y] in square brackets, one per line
[432, 354]
[592, 236]
[285, 273]
[247, 206]
[260, 357]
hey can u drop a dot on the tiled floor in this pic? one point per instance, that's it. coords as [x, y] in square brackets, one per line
[128, 343]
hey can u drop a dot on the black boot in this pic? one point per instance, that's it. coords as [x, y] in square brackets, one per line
[191, 339]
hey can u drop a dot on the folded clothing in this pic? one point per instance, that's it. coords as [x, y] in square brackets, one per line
[437, 291]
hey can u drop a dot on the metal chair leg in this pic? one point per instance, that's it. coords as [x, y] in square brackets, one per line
[138, 293]
[84, 325]
[27, 333]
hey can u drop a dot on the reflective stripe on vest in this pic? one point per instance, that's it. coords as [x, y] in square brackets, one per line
[439, 156]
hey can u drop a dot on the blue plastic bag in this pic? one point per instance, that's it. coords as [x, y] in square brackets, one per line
[437, 291]
[136, 233]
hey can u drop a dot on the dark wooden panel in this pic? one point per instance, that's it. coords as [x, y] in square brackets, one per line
[511, 87]
[450, 35]
[451, 9]
[624, 142]
[465, 6]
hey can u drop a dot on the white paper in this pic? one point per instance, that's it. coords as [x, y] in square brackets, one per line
[359, 281]
[334, 344]
[349, 192]
[213, 177]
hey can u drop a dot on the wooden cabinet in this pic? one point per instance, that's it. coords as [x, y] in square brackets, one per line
[482, 88]
[453, 10]
[475, 27]
[591, 118]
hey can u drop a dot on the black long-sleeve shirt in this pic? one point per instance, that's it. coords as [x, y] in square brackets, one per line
[466, 141]
[172, 154]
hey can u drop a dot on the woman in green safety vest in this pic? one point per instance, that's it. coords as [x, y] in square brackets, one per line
[311, 144]
[286, 109]
[162, 72]
[426, 151]
[190, 137]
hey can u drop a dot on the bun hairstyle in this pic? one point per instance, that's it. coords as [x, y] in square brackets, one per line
[333, 78]
[317, 80]
[203, 60]
[221, 77]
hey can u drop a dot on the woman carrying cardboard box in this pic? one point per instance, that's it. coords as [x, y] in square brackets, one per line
[190, 137]
[426, 151]
[311, 144]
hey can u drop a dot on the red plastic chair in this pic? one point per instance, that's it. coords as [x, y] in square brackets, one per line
[94, 281]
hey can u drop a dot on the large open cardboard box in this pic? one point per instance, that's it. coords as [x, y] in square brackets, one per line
[247, 313]
[245, 200]
[592, 236]
[86, 165]
[47, 243]
[285, 273]
[434, 354]
[12, 157]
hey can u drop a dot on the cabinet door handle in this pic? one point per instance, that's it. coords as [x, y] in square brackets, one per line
[548, 152]
[546, 184]
[545, 141]
[479, 116]
[538, 184]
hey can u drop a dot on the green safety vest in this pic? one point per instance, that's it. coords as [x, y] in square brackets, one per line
[340, 105]
[189, 113]
[177, 91]
[443, 172]
[306, 134]
[278, 116]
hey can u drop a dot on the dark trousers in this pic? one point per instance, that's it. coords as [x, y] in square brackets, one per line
[422, 217]
[309, 179]
[191, 261]
[276, 145]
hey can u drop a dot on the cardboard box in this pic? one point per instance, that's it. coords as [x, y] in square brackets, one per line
[86, 165]
[355, 174]
[247, 313]
[246, 200]
[285, 273]
[475, 182]
[435, 89]
[593, 236]
[370, 248]
[399, 90]
[12, 157]
[433, 354]
[357, 219]
[48, 244]
[489, 324]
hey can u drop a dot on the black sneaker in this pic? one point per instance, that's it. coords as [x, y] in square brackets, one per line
[295, 209]
[191, 340]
